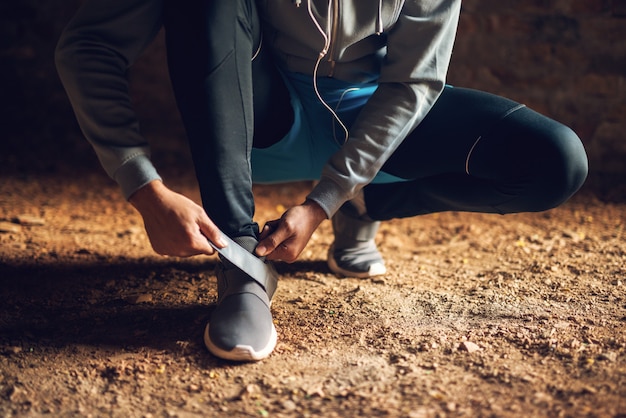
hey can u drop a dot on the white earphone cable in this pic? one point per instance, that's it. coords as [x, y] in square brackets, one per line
[322, 54]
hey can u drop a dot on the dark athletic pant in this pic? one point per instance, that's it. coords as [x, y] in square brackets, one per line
[518, 159]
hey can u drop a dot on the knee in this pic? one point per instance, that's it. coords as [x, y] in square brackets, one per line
[566, 167]
[575, 161]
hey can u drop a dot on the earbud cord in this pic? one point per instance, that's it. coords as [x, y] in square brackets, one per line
[322, 54]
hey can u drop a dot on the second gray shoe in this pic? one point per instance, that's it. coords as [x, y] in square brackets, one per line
[354, 252]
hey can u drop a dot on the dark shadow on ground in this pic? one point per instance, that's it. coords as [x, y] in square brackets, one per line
[95, 302]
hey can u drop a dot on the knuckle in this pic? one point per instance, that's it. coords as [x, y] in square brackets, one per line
[274, 241]
[289, 227]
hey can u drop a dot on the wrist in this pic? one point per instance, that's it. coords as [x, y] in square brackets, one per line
[318, 212]
[146, 196]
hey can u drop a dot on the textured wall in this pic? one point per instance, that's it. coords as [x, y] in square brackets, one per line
[565, 58]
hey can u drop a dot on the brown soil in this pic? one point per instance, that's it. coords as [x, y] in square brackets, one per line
[479, 315]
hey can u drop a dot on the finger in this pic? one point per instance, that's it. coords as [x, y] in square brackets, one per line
[211, 232]
[201, 246]
[183, 250]
[265, 232]
[287, 251]
[194, 243]
[282, 253]
[268, 228]
[272, 241]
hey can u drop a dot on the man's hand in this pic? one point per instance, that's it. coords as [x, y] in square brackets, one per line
[176, 225]
[285, 238]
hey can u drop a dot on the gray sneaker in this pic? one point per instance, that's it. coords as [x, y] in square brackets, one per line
[354, 252]
[241, 326]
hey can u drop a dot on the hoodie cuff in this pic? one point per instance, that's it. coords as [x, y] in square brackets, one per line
[134, 174]
[329, 196]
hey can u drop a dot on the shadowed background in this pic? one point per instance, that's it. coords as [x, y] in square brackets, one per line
[564, 58]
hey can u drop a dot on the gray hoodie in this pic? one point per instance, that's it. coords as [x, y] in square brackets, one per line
[404, 45]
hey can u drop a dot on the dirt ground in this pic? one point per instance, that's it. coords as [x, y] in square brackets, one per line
[479, 315]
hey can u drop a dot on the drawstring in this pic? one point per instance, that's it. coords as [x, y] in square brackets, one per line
[379, 18]
[326, 37]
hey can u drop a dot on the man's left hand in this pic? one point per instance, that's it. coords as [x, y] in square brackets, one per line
[285, 238]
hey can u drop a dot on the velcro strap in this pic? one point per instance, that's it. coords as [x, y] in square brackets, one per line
[263, 273]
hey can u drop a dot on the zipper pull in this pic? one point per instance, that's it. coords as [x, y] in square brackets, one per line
[298, 3]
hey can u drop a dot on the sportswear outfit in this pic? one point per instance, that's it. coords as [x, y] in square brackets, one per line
[247, 76]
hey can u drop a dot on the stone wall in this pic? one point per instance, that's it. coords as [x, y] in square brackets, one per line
[564, 58]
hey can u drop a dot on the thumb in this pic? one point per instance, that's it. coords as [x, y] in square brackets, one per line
[272, 240]
[268, 228]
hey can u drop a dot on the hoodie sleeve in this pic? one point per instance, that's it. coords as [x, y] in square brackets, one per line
[92, 57]
[412, 77]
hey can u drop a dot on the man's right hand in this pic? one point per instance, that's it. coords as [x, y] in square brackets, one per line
[176, 226]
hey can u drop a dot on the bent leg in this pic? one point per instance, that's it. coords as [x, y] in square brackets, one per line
[210, 48]
[478, 152]
[211, 45]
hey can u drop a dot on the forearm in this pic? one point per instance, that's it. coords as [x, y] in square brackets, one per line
[93, 56]
[411, 79]
[389, 116]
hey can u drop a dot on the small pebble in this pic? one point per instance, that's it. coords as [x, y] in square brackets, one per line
[9, 227]
[143, 298]
[609, 356]
[470, 347]
[30, 220]
[289, 405]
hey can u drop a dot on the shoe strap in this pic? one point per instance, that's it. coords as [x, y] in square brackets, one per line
[240, 284]
[261, 272]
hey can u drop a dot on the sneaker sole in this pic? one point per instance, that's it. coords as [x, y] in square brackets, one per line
[241, 352]
[376, 269]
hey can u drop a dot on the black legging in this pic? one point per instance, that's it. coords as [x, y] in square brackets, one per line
[479, 152]
[518, 159]
[209, 46]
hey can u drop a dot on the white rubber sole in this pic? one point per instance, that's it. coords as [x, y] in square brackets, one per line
[376, 269]
[241, 352]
